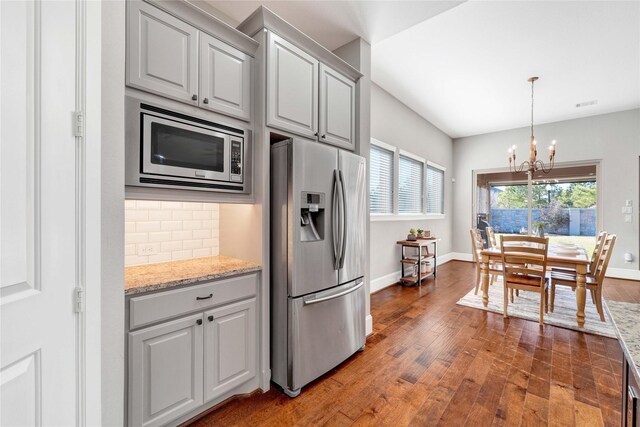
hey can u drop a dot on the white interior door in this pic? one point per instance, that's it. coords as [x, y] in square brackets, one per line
[38, 214]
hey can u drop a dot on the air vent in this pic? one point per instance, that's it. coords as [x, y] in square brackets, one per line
[587, 103]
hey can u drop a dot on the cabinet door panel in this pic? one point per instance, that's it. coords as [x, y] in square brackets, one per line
[165, 371]
[225, 78]
[292, 88]
[337, 108]
[163, 53]
[230, 347]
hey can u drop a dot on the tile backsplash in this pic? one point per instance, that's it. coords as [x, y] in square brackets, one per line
[157, 231]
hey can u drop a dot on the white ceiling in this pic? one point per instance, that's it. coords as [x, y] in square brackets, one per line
[464, 65]
[334, 23]
[466, 70]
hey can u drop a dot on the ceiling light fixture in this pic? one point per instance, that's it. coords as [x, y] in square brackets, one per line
[533, 164]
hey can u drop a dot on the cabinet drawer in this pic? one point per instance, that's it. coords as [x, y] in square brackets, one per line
[148, 309]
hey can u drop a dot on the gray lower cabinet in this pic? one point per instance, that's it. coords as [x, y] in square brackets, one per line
[292, 87]
[337, 116]
[165, 371]
[229, 347]
[162, 53]
[225, 78]
[189, 348]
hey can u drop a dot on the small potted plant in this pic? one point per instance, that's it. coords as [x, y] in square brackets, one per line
[420, 235]
[412, 235]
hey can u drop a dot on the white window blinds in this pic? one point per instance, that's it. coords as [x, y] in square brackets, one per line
[381, 180]
[435, 190]
[410, 188]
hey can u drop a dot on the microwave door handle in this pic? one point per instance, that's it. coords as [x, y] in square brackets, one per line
[343, 220]
[335, 220]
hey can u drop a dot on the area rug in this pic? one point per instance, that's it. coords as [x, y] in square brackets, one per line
[527, 306]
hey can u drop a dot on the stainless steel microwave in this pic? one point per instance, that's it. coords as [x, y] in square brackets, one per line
[170, 149]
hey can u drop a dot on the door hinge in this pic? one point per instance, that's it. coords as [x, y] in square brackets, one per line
[78, 300]
[78, 124]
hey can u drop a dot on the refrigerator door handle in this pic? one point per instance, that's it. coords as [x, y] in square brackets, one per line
[314, 300]
[343, 220]
[334, 221]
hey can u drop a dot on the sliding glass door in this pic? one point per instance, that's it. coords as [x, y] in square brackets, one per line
[561, 205]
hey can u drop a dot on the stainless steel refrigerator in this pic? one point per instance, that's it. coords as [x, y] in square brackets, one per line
[318, 226]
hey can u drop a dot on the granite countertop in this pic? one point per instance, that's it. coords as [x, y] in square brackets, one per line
[625, 317]
[151, 277]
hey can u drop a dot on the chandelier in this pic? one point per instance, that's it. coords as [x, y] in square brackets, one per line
[533, 164]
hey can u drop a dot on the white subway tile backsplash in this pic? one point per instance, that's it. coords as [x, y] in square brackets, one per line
[202, 234]
[160, 236]
[201, 215]
[171, 246]
[192, 225]
[146, 226]
[182, 235]
[171, 225]
[159, 215]
[148, 204]
[136, 215]
[136, 238]
[191, 244]
[175, 230]
[178, 255]
[171, 205]
[202, 252]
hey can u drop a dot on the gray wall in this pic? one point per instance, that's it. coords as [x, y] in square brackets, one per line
[612, 138]
[394, 123]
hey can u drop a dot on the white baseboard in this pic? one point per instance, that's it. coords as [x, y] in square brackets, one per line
[623, 273]
[383, 282]
[461, 256]
[368, 322]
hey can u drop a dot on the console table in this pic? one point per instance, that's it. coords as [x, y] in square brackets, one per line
[416, 262]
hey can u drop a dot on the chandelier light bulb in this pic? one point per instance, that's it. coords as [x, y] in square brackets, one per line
[553, 142]
[534, 142]
[514, 148]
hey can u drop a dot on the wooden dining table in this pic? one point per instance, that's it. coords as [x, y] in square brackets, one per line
[557, 256]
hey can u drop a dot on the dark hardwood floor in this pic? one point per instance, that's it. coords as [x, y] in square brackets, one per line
[432, 362]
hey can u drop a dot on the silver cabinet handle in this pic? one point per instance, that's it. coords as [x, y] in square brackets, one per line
[207, 297]
[330, 297]
[206, 100]
[343, 221]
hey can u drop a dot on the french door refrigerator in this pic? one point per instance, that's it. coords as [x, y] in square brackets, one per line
[318, 226]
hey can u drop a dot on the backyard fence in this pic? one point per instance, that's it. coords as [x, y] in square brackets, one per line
[578, 221]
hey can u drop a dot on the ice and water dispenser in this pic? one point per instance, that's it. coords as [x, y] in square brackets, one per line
[312, 217]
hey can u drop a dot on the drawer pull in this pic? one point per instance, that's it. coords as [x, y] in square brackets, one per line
[201, 298]
[199, 321]
[210, 318]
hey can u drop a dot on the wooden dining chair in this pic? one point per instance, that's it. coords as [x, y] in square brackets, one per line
[491, 237]
[595, 255]
[594, 280]
[524, 260]
[477, 245]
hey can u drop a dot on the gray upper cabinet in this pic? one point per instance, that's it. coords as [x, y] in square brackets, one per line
[165, 371]
[225, 78]
[229, 347]
[292, 88]
[337, 108]
[162, 53]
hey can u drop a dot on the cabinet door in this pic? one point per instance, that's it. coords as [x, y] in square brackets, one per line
[229, 347]
[337, 108]
[165, 371]
[225, 78]
[162, 53]
[292, 88]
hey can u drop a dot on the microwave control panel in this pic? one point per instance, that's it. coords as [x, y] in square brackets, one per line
[236, 160]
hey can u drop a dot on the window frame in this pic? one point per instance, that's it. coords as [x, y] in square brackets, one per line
[396, 215]
[442, 169]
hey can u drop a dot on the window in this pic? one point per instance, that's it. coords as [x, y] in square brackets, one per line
[381, 180]
[435, 189]
[410, 185]
[403, 186]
